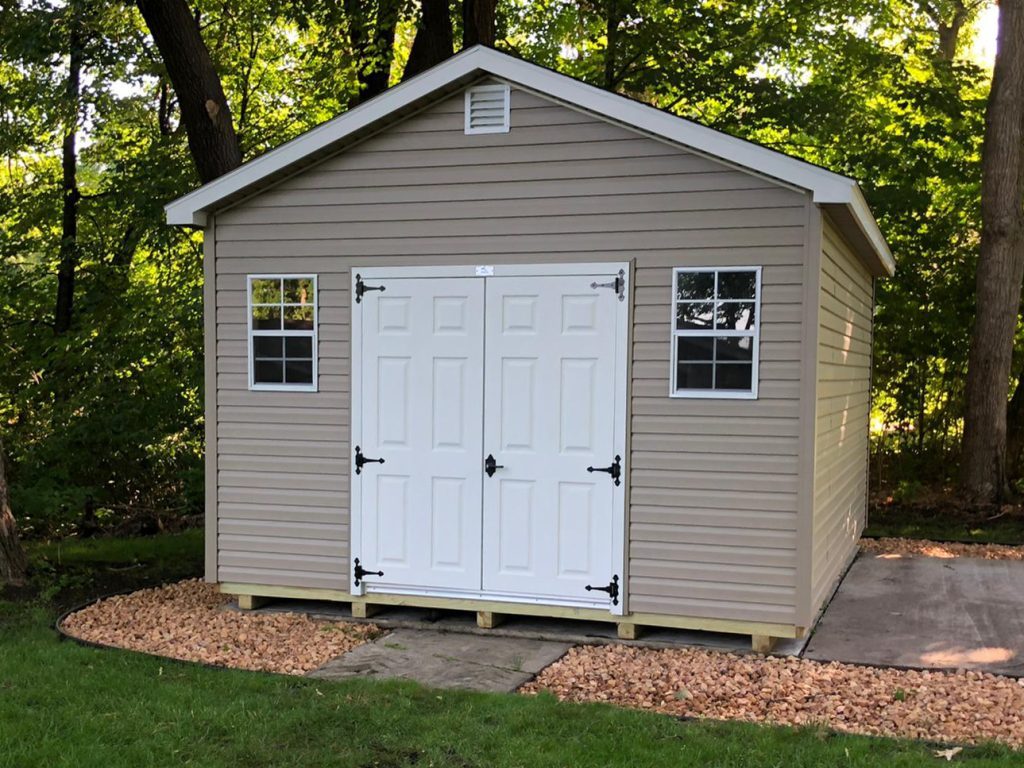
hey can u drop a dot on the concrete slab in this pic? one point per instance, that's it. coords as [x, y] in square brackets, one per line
[447, 660]
[958, 613]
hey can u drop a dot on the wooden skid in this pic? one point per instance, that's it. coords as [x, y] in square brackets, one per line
[490, 612]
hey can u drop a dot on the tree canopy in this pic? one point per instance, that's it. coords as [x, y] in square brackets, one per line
[101, 401]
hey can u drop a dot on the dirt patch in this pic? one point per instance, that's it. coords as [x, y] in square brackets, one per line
[925, 548]
[189, 621]
[966, 707]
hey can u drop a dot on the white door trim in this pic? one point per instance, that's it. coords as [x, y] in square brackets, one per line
[484, 271]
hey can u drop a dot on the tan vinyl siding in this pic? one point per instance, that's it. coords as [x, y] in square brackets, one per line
[713, 482]
[843, 406]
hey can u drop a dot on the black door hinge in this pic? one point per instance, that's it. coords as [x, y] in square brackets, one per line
[612, 589]
[360, 460]
[615, 470]
[361, 573]
[618, 285]
[362, 288]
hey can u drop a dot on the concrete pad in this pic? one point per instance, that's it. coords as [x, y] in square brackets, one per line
[447, 660]
[929, 613]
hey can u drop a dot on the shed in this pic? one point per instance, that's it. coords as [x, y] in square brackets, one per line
[500, 341]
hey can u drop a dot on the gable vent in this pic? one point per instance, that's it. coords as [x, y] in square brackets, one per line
[487, 109]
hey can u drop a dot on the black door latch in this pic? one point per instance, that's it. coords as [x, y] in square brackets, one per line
[362, 288]
[361, 573]
[490, 465]
[360, 460]
[615, 470]
[612, 589]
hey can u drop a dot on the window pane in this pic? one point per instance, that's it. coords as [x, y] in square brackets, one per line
[734, 349]
[298, 318]
[299, 372]
[735, 316]
[695, 347]
[266, 291]
[693, 376]
[267, 346]
[698, 286]
[268, 371]
[298, 346]
[266, 318]
[298, 291]
[690, 316]
[733, 376]
[737, 285]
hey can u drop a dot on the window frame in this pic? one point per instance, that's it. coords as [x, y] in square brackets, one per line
[252, 333]
[676, 333]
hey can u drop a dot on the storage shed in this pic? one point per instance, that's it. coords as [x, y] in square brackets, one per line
[500, 341]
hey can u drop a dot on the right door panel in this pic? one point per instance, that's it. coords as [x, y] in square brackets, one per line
[549, 400]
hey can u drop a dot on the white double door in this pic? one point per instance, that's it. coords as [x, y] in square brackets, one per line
[488, 399]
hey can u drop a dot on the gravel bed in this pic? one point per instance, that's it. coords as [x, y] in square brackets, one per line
[910, 547]
[964, 707]
[189, 621]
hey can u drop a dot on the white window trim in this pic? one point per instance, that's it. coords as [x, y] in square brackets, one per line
[250, 333]
[505, 91]
[715, 394]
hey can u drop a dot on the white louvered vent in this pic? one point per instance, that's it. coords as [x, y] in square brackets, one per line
[487, 109]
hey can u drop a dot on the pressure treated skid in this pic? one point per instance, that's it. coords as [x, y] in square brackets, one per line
[489, 614]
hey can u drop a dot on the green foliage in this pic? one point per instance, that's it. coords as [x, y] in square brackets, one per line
[104, 423]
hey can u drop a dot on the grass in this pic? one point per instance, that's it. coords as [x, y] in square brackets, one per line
[945, 521]
[66, 705]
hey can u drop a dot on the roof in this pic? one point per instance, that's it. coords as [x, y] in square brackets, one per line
[837, 194]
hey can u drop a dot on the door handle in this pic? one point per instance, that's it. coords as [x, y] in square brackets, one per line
[615, 470]
[490, 465]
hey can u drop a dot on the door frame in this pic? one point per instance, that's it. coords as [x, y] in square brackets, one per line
[621, 431]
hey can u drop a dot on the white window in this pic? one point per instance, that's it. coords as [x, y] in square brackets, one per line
[282, 332]
[715, 332]
[487, 109]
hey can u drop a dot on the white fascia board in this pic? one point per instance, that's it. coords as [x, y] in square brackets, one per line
[825, 186]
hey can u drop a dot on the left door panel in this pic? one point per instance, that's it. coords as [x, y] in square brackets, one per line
[422, 405]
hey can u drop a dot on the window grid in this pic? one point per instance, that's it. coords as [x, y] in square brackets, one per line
[713, 332]
[283, 333]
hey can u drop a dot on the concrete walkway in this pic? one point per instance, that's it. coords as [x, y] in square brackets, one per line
[447, 660]
[926, 613]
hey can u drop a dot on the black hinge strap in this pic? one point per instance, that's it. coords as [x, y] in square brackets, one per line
[618, 285]
[361, 460]
[362, 288]
[361, 573]
[615, 470]
[612, 589]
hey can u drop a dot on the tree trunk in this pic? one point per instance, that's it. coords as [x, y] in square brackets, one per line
[13, 563]
[375, 52]
[612, 20]
[201, 100]
[70, 196]
[949, 31]
[1000, 267]
[478, 17]
[433, 43]
[1015, 430]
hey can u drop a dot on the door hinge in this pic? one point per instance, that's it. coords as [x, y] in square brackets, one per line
[361, 573]
[361, 460]
[615, 470]
[618, 285]
[612, 589]
[362, 288]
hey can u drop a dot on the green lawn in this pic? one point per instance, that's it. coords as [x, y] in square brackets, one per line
[945, 522]
[65, 705]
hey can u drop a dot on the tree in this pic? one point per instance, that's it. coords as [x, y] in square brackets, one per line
[433, 42]
[373, 44]
[13, 563]
[204, 107]
[478, 22]
[70, 195]
[1000, 267]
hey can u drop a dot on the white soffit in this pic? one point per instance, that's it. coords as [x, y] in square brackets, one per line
[826, 187]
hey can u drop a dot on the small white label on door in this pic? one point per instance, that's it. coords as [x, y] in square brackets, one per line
[487, 271]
